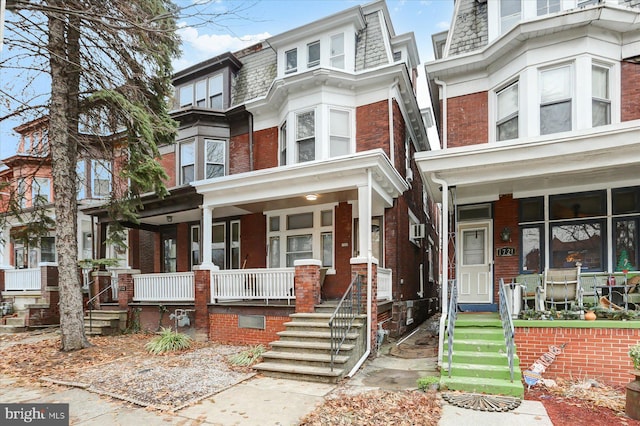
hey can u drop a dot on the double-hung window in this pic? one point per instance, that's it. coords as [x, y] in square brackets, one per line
[101, 178]
[40, 191]
[201, 93]
[305, 136]
[187, 162]
[545, 7]
[291, 61]
[510, 14]
[340, 132]
[313, 54]
[216, 155]
[337, 51]
[283, 144]
[601, 98]
[507, 114]
[555, 100]
[186, 96]
[216, 92]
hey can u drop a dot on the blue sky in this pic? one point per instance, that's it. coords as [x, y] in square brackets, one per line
[270, 17]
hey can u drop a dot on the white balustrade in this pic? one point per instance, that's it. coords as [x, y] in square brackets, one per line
[384, 284]
[169, 287]
[22, 279]
[253, 284]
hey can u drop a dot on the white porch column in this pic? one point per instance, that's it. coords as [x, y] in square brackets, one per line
[364, 222]
[444, 253]
[207, 237]
[5, 256]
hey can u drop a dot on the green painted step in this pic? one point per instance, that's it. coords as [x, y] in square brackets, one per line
[470, 333]
[483, 385]
[476, 345]
[486, 371]
[481, 358]
[478, 320]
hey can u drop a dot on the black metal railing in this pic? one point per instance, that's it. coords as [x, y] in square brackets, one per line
[451, 319]
[507, 322]
[91, 301]
[344, 315]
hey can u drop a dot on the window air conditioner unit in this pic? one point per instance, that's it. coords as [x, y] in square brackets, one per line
[417, 231]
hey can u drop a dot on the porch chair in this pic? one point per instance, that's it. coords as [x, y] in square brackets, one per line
[531, 288]
[561, 288]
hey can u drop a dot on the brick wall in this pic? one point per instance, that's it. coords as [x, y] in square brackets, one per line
[252, 240]
[467, 120]
[361, 269]
[265, 148]
[630, 103]
[505, 212]
[168, 163]
[307, 284]
[598, 353]
[399, 134]
[239, 154]
[335, 285]
[223, 328]
[372, 127]
[183, 254]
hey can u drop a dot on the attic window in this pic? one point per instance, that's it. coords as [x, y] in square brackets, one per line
[397, 56]
[313, 54]
[291, 61]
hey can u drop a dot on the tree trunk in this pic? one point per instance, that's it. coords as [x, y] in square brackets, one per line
[64, 152]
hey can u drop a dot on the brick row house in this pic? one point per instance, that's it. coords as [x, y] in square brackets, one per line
[538, 108]
[293, 162]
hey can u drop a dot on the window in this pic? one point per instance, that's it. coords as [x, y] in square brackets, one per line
[218, 244]
[407, 159]
[101, 178]
[235, 244]
[340, 134]
[510, 13]
[215, 161]
[201, 93]
[47, 249]
[40, 191]
[225, 245]
[291, 61]
[337, 51]
[22, 192]
[532, 245]
[186, 96]
[577, 206]
[544, 7]
[195, 245]
[555, 100]
[216, 100]
[299, 247]
[305, 136]
[187, 162]
[169, 251]
[507, 117]
[601, 100]
[283, 144]
[626, 205]
[81, 184]
[313, 54]
[377, 238]
[577, 242]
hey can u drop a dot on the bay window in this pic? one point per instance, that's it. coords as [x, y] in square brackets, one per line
[510, 14]
[216, 92]
[187, 162]
[507, 117]
[305, 136]
[337, 51]
[555, 100]
[215, 158]
[340, 132]
[290, 61]
[601, 100]
[313, 54]
[544, 7]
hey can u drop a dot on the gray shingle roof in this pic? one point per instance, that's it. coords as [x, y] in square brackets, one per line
[370, 49]
[470, 28]
[256, 75]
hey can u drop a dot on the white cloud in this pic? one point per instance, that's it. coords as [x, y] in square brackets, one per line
[442, 25]
[198, 47]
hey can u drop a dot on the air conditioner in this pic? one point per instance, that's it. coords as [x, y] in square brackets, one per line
[417, 231]
[409, 175]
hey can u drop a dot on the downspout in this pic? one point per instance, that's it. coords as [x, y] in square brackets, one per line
[444, 237]
[369, 283]
[250, 141]
[392, 149]
[444, 111]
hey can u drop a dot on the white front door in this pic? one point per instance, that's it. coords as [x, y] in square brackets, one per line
[475, 262]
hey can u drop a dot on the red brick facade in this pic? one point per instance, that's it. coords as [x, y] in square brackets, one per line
[335, 285]
[265, 148]
[224, 329]
[307, 283]
[372, 127]
[239, 154]
[467, 120]
[599, 353]
[505, 214]
[168, 163]
[630, 91]
[252, 240]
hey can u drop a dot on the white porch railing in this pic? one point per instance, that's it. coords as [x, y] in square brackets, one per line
[169, 287]
[384, 284]
[253, 284]
[22, 279]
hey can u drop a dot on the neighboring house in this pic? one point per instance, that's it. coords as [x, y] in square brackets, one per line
[299, 147]
[539, 116]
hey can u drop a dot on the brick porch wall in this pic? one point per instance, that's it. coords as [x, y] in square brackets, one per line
[597, 353]
[223, 328]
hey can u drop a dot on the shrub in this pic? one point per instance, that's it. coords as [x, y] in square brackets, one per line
[428, 382]
[168, 341]
[634, 353]
[247, 357]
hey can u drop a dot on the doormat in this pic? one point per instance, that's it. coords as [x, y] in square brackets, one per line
[482, 402]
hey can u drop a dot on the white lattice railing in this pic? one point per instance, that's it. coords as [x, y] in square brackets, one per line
[169, 287]
[22, 279]
[253, 284]
[384, 284]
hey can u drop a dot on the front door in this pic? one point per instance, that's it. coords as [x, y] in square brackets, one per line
[475, 262]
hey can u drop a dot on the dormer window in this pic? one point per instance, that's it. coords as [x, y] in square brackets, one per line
[186, 96]
[337, 51]
[215, 92]
[291, 61]
[205, 93]
[201, 93]
[313, 54]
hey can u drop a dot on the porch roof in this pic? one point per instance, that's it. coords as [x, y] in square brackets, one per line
[333, 180]
[582, 160]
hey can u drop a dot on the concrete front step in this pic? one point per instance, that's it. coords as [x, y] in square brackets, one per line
[12, 329]
[480, 333]
[318, 360]
[483, 385]
[487, 371]
[315, 326]
[476, 345]
[308, 347]
[300, 372]
[307, 336]
[19, 321]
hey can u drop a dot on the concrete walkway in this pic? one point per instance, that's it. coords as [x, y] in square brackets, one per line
[267, 401]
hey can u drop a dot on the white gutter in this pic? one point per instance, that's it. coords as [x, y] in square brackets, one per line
[369, 283]
[444, 112]
[444, 237]
[392, 150]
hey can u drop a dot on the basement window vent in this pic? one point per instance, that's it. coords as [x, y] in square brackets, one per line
[410, 313]
[252, 321]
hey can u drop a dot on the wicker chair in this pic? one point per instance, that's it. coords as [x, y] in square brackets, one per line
[561, 288]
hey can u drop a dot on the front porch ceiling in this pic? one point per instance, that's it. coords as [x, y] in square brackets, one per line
[591, 159]
[334, 180]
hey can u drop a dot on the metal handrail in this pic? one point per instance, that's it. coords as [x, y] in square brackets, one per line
[344, 315]
[507, 323]
[452, 315]
[92, 300]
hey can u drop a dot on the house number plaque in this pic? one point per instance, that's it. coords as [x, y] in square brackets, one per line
[506, 251]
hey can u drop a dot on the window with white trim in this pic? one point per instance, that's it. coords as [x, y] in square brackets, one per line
[305, 136]
[510, 14]
[313, 54]
[215, 158]
[186, 96]
[337, 51]
[601, 98]
[40, 191]
[201, 93]
[545, 7]
[290, 61]
[218, 244]
[340, 132]
[100, 178]
[216, 92]
[556, 100]
[195, 245]
[508, 113]
[187, 162]
[204, 93]
[283, 144]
